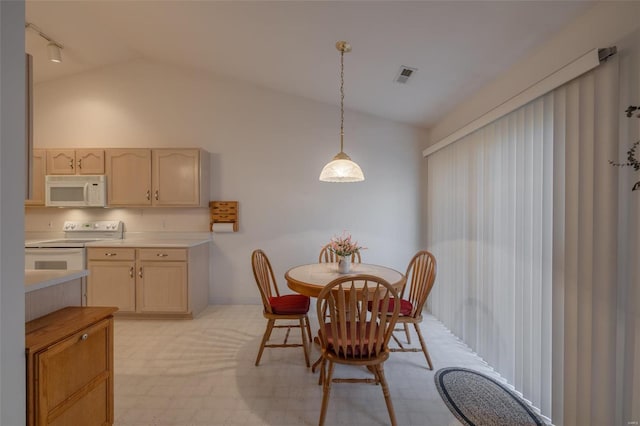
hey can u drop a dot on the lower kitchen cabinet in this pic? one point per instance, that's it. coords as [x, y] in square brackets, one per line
[70, 367]
[149, 281]
[112, 282]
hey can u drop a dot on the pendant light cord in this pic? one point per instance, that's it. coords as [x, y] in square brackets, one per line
[341, 100]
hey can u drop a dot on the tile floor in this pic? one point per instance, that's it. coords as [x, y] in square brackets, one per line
[201, 372]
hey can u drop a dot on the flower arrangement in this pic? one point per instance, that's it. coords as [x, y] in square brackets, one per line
[343, 245]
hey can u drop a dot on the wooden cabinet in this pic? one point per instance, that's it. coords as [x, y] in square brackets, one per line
[128, 177]
[70, 367]
[39, 159]
[112, 278]
[149, 281]
[162, 285]
[157, 177]
[75, 161]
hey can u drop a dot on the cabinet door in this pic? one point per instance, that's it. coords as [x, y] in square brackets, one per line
[39, 160]
[128, 177]
[176, 177]
[61, 162]
[162, 286]
[112, 283]
[90, 161]
[75, 382]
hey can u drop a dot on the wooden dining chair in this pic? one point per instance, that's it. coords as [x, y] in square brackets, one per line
[327, 256]
[350, 334]
[421, 275]
[277, 307]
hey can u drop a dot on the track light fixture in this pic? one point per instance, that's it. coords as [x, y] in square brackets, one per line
[53, 47]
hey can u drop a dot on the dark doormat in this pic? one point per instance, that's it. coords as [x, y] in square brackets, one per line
[479, 400]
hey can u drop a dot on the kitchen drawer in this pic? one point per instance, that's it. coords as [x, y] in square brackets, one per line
[230, 209]
[162, 254]
[110, 253]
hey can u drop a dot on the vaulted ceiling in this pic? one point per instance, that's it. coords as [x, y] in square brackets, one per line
[457, 46]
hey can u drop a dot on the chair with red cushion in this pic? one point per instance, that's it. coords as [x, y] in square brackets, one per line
[421, 275]
[277, 307]
[350, 334]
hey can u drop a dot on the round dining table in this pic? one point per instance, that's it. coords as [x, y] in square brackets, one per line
[310, 279]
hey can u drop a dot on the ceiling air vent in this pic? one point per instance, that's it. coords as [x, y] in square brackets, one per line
[404, 73]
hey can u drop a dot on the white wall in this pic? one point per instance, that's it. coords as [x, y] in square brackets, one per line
[12, 183]
[267, 150]
[601, 26]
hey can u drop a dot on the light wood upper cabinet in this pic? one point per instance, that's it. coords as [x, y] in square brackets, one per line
[90, 161]
[157, 177]
[75, 161]
[128, 177]
[37, 192]
[176, 177]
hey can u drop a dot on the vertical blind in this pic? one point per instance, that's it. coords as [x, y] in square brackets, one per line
[523, 218]
[489, 226]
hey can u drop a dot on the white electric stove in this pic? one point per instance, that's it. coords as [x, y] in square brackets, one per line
[69, 252]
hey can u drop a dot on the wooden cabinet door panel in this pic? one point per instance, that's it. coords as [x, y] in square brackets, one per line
[39, 161]
[87, 352]
[112, 283]
[90, 161]
[162, 287]
[128, 177]
[90, 410]
[176, 177]
[61, 162]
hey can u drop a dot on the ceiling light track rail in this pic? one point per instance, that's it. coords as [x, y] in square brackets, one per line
[38, 31]
[54, 48]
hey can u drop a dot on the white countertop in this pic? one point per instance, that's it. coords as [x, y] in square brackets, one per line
[36, 279]
[147, 242]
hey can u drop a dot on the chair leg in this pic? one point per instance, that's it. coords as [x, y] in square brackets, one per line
[387, 395]
[309, 330]
[406, 331]
[304, 341]
[326, 391]
[424, 346]
[323, 371]
[265, 338]
[397, 341]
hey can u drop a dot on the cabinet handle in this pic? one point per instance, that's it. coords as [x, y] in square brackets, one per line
[148, 194]
[162, 255]
[131, 272]
[156, 194]
[140, 272]
[80, 163]
[111, 254]
[85, 336]
[71, 164]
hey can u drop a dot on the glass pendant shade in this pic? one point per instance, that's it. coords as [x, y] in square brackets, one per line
[341, 169]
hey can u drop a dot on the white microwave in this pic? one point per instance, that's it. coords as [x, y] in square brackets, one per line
[75, 191]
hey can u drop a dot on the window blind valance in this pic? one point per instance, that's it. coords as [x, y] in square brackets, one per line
[572, 70]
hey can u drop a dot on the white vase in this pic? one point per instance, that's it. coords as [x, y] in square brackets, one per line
[344, 264]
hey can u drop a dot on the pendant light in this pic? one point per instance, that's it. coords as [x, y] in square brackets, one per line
[341, 168]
